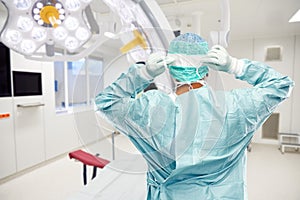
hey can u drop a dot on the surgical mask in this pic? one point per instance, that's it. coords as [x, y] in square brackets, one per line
[188, 74]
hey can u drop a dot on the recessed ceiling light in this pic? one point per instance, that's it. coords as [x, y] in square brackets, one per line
[295, 17]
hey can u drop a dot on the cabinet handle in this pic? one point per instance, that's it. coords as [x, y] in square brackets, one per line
[30, 105]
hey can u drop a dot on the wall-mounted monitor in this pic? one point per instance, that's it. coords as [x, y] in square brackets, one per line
[27, 83]
[5, 77]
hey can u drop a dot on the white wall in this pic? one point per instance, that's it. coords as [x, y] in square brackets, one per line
[254, 49]
[114, 66]
[295, 112]
[239, 49]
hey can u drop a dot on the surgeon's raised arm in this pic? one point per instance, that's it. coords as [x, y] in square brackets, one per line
[115, 100]
[269, 89]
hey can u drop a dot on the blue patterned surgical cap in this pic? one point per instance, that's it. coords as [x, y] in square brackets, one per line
[188, 44]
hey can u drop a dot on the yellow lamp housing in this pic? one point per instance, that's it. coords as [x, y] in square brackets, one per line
[50, 14]
[139, 40]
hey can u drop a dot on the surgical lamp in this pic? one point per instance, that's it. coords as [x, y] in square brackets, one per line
[33, 24]
[66, 30]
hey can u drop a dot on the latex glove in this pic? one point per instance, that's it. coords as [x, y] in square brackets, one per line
[219, 59]
[157, 63]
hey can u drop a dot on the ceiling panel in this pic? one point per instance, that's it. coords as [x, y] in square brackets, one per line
[253, 18]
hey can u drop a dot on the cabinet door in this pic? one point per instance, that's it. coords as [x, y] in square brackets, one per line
[29, 131]
[7, 140]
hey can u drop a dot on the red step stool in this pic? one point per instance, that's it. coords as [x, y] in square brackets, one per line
[88, 159]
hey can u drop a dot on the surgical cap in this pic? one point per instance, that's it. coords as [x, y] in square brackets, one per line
[188, 44]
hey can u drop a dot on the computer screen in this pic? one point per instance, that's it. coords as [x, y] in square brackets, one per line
[27, 83]
[5, 76]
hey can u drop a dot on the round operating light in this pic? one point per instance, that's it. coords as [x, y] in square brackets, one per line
[24, 24]
[22, 4]
[60, 33]
[61, 11]
[73, 5]
[36, 11]
[39, 34]
[13, 37]
[37, 17]
[71, 23]
[82, 33]
[40, 22]
[71, 43]
[40, 5]
[61, 17]
[58, 6]
[27, 46]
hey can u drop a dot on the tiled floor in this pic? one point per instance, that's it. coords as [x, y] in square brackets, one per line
[271, 176]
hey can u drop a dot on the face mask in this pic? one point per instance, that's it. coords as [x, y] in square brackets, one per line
[188, 74]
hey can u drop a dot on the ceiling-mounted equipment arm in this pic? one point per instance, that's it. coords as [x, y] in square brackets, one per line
[91, 20]
[154, 22]
[221, 37]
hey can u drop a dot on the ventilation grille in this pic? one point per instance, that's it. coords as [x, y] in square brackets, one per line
[273, 53]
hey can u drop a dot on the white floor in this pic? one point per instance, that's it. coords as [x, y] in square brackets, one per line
[271, 176]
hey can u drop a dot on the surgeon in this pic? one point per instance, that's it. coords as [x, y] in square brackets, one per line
[193, 140]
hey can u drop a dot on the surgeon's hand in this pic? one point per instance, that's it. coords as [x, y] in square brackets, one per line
[157, 62]
[219, 59]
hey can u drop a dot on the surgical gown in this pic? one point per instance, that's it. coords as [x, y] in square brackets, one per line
[194, 145]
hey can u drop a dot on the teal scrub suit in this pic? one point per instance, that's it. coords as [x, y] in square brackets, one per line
[194, 146]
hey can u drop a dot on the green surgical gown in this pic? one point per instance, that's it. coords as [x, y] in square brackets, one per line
[194, 145]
